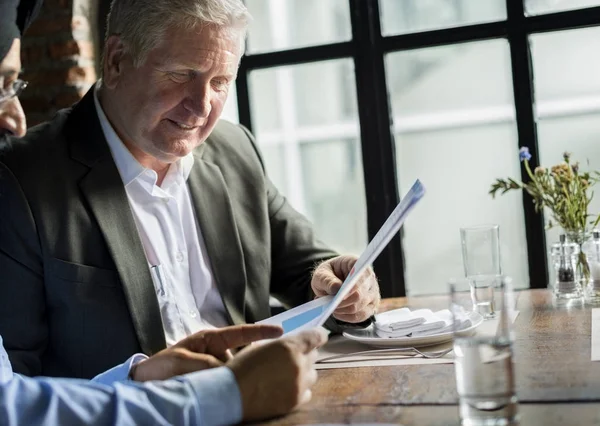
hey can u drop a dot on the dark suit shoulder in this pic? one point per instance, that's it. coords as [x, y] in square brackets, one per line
[231, 145]
[227, 136]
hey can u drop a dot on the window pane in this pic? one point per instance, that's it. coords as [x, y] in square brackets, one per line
[335, 193]
[538, 7]
[566, 65]
[305, 120]
[567, 88]
[455, 130]
[274, 158]
[287, 24]
[408, 16]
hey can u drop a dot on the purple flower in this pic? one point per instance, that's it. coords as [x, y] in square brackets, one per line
[524, 154]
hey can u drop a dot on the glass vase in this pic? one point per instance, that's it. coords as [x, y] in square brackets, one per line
[580, 237]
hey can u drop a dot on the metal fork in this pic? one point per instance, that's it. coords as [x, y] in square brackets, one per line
[407, 352]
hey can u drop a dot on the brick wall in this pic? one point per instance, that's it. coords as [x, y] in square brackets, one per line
[58, 55]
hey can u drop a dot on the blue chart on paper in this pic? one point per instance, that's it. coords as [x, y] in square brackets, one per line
[301, 319]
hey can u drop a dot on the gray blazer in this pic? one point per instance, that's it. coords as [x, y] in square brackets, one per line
[76, 294]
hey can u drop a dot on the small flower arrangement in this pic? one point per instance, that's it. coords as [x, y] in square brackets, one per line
[563, 189]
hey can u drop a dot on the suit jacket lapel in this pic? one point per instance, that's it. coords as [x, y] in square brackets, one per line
[217, 224]
[105, 193]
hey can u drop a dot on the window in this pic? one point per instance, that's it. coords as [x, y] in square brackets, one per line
[536, 7]
[287, 24]
[305, 120]
[456, 138]
[351, 100]
[407, 16]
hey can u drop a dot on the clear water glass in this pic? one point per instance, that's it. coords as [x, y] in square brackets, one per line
[484, 364]
[481, 262]
[482, 294]
[481, 250]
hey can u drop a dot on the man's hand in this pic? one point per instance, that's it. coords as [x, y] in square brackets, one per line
[202, 350]
[276, 377]
[361, 302]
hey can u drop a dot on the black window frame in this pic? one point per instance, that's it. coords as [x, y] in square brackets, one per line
[367, 49]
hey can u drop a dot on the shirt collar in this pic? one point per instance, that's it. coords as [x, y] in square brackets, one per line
[129, 168]
[186, 163]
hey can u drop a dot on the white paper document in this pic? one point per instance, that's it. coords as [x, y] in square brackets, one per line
[316, 312]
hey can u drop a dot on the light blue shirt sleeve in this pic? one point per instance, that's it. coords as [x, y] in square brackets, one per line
[120, 372]
[221, 401]
[209, 397]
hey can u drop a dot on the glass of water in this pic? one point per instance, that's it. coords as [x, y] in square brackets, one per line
[484, 358]
[481, 261]
[482, 294]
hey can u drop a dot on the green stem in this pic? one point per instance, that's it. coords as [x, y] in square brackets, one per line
[528, 170]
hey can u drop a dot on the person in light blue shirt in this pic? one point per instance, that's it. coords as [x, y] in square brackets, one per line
[244, 389]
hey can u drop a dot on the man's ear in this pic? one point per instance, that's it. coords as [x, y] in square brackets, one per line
[114, 56]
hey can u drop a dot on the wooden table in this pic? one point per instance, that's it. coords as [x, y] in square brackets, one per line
[557, 384]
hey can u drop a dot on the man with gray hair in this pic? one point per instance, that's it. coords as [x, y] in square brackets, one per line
[138, 217]
[234, 389]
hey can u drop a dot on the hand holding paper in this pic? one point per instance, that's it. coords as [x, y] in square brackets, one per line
[361, 302]
[315, 313]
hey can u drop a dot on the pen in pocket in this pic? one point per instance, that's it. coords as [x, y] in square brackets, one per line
[157, 275]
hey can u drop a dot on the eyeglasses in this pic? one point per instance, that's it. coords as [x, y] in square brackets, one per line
[15, 88]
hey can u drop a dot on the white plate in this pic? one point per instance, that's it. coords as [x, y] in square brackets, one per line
[368, 336]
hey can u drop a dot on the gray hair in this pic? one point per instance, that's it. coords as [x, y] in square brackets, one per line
[141, 24]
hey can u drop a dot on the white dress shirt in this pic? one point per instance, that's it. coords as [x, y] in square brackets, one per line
[187, 296]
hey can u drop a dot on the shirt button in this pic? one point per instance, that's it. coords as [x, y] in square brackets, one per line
[179, 256]
[193, 313]
[165, 200]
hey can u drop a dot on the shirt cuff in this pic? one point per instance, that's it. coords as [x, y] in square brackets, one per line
[120, 372]
[218, 394]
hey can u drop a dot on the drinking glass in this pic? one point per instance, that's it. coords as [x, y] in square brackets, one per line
[481, 261]
[481, 250]
[484, 359]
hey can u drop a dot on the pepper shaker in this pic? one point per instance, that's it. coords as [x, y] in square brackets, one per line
[564, 258]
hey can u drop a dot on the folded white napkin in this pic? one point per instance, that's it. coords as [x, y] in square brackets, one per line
[397, 319]
[464, 322]
[432, 323]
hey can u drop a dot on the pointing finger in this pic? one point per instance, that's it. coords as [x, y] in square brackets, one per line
[219, 340]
